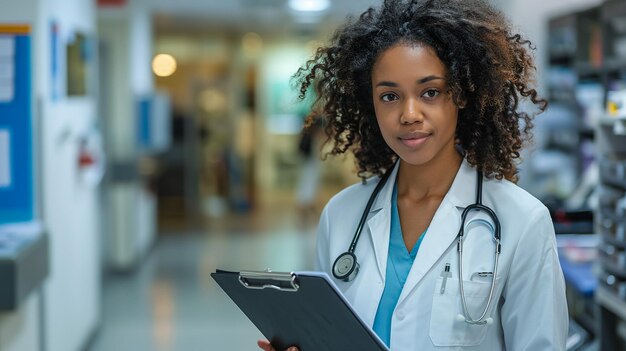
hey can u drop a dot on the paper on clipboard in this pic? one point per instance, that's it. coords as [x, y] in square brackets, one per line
[304, 309]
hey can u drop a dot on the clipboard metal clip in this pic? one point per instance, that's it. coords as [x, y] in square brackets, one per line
[274, 280]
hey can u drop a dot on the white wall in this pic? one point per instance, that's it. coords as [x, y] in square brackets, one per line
[127, 35]
[113, 33]
[69, 207]
[141, 77]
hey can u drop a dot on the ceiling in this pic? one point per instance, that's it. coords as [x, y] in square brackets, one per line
[263, 16]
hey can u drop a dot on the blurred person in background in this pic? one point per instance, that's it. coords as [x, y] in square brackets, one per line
[310, 171]
[426, 95]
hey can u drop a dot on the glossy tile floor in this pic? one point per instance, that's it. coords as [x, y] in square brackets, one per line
[172, 303]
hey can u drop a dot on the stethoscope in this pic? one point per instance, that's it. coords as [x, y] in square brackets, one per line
[346, 266]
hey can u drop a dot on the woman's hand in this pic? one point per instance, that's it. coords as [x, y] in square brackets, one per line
[266, 346]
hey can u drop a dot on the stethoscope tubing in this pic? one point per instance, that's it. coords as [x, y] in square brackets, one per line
[368, 207]
[477, 206]
[468, 317]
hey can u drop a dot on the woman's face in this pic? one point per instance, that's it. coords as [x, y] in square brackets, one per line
[414, 109]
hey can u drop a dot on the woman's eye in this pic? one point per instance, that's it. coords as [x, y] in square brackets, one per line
[389, 97]
[431, 94]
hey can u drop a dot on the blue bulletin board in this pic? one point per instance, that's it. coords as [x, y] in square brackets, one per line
[16, 156]
[153, 122]
[144, 111]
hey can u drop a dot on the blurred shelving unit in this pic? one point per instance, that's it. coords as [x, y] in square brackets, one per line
[611, 224]
[611, 152]
[576, 81]
[575, 72]
[587, 72]
[587, 67]
[575, 92]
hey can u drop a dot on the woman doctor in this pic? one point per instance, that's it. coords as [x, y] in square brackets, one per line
[426, 95]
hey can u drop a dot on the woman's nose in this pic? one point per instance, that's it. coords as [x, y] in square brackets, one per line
[411, 112]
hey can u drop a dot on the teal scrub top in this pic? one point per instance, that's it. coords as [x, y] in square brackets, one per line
[399, 262]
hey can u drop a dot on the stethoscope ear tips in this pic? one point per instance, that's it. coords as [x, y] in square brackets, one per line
[460, 318]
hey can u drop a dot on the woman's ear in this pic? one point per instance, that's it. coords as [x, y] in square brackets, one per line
[461, 103]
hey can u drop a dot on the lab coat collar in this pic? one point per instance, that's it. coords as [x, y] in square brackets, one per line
[462, 192]
[383, 199]
[440, 234]
[379, 223]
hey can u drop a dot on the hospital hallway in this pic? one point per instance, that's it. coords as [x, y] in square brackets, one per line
[145, 144]
[170, 302]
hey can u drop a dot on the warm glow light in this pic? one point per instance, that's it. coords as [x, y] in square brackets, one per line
[252, 43]
[309, 5]
[164, 65]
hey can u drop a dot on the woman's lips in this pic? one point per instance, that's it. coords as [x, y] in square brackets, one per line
[413, 140]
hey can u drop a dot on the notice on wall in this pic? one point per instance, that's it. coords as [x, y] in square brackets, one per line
[7, 46]
[5, 158]
[7, 68]
[7, 92]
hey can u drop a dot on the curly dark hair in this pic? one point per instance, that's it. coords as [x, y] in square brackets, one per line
[489, 68]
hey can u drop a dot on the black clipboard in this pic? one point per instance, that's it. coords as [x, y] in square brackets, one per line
[298, 309]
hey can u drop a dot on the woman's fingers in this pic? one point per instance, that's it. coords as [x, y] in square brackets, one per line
[266, 346]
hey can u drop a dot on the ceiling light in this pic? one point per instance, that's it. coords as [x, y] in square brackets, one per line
[309, 5]
[164, 65]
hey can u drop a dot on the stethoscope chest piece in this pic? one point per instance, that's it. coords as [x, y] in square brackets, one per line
[345, 267]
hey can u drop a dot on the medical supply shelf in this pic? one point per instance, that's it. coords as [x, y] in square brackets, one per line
[610, 221]
[613, 303]
[611, 216]
[574, 71]
[575, 83]
[587, 64]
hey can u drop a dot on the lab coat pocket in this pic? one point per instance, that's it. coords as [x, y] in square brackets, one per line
[445, 328]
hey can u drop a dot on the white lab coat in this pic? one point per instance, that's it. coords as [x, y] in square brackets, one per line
[529, 309]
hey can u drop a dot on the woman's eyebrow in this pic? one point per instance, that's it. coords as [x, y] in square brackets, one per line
[385, 83]
[426, 79]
